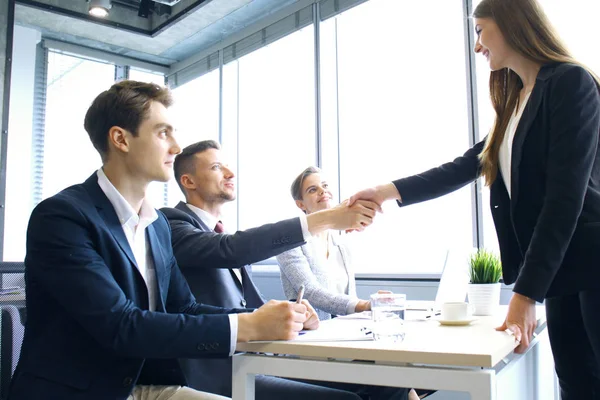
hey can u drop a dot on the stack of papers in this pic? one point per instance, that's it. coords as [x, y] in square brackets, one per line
[336, 331]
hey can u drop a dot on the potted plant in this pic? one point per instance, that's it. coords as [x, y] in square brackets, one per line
[485, 271]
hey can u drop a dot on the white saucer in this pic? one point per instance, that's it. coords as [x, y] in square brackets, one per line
[460, 322]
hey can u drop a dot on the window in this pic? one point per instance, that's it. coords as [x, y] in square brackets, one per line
[61, 153]
[146, 76]
[196, 117]
[157, 191]
[70, 91]
[275, 109]
[402, 105]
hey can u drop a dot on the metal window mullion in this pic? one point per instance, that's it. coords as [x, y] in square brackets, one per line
[472, 111]
[337, 113]
[121, 72]
[220, 96]
[10, 23]
[317, 49]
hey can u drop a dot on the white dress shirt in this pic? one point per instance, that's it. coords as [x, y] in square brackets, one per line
[505, 151]
[134, 226]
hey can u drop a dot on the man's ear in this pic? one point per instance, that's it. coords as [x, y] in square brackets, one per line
[300, 205]
[118, 138]
[187, 182]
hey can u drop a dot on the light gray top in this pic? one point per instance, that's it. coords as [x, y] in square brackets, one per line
[308, 266]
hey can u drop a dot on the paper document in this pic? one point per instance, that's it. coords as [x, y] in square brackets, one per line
[360, 315]
[336, 330]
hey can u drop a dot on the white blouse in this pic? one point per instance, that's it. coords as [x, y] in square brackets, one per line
[505, 151]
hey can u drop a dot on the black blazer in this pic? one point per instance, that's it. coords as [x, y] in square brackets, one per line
[89, 334]
[206, 259]
[549, 229]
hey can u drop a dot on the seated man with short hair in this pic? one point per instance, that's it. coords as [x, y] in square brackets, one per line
[215, 263]
[108, 310]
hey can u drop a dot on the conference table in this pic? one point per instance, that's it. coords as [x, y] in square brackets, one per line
[468, 358]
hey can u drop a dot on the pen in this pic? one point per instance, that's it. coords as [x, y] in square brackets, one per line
[434, 315]
[300, 294]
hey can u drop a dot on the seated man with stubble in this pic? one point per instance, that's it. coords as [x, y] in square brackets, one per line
[108, 311]
[215, 263]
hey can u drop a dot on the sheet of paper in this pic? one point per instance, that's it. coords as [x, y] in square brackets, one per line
[349, 330]
[360, 315]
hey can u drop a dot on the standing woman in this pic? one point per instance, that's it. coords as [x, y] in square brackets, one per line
[542, 165]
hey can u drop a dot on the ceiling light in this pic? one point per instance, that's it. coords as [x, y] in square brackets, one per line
[99, 8]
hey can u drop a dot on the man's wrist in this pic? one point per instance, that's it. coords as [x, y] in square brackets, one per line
[320, 221]
[246, 330]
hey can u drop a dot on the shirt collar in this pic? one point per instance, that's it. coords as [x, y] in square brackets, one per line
[208, 219]
[126, 213]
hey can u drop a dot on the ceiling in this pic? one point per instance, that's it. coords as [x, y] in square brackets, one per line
[189, 27]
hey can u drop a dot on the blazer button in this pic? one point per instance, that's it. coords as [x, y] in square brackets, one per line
[127, 381]
[243, 302]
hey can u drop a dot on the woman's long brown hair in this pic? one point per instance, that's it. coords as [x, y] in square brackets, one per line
[527, 30]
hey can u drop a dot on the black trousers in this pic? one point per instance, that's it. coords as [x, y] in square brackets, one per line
[574, 330]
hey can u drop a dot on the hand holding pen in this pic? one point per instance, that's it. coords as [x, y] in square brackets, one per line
[312, 319]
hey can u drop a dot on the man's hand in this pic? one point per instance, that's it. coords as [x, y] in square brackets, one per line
[343, 217]
[312, 319]
[357, 216]
[275, 320]
[521, 320]
[377, 194]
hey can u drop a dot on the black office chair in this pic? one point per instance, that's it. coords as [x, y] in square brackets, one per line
[12, 324]
[11, 338]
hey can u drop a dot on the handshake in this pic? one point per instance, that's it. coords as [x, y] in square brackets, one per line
[355, 213]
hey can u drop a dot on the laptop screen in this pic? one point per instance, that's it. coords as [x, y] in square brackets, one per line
[455, 278]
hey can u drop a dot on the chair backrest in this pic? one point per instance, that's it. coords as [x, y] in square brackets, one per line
[11, 338]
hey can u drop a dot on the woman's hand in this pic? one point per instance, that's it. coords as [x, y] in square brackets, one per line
[521, 320]
[312, 319]
[362, 305]
[377, 194]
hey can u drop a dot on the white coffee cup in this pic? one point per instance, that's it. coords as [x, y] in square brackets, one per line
[456, 311]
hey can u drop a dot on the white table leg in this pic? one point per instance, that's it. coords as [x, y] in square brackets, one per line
[243, 384]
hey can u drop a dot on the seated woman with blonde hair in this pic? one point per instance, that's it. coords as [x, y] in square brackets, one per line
[323, 265]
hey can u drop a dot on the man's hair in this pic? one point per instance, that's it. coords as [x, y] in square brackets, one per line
[125, 105]
[184, 162]
[296, 188]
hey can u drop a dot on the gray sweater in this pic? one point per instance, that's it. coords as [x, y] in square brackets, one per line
[304, 266]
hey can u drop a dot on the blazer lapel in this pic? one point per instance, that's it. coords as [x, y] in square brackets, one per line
[527, 118]
[181, 206]
[108, 214]
[199, 224]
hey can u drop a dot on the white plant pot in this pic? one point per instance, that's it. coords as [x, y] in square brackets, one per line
[485, 297]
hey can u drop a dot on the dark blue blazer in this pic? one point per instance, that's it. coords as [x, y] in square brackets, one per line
[89, 334]
[206, 259]
[549, 228]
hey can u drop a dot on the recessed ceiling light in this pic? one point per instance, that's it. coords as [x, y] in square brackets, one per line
[99, 8]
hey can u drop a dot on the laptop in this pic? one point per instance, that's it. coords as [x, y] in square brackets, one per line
[453, 283]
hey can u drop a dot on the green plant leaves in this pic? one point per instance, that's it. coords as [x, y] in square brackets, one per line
[484, 267]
